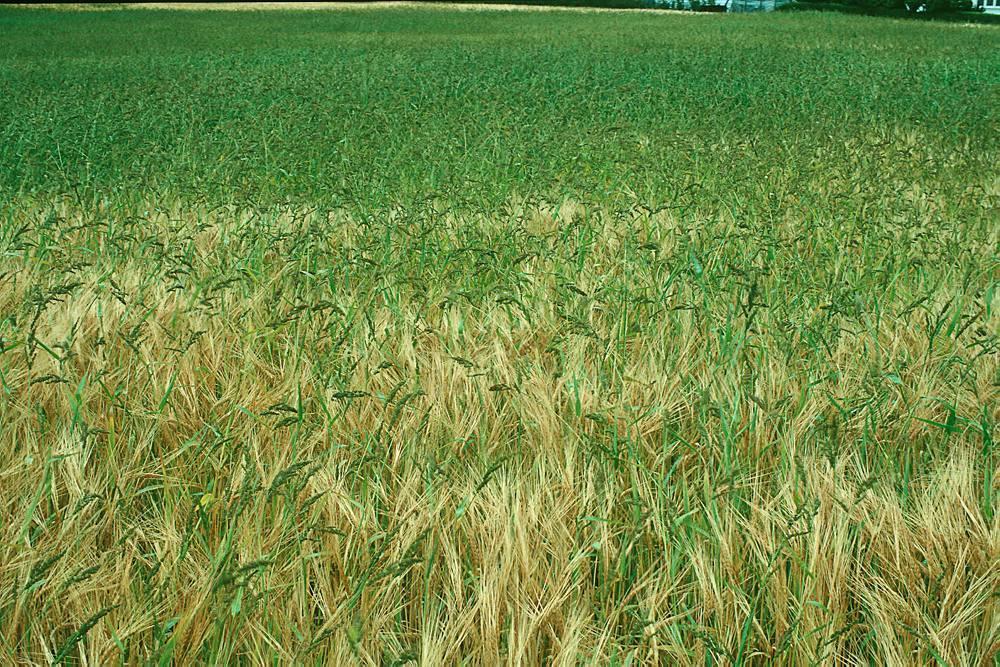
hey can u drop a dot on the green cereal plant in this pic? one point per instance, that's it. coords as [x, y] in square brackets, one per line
[470, 336]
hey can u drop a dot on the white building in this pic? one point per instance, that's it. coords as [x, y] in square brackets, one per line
[989, 6]
[755, 5]
[724, 5]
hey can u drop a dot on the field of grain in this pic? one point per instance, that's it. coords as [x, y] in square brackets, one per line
[451, 337]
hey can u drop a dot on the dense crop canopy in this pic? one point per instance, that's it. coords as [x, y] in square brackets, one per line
[513, 337]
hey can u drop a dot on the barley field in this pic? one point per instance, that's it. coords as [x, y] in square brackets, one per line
[419, 336]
